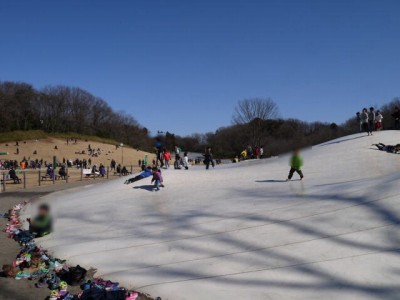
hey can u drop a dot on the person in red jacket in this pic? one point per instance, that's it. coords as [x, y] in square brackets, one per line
[257, 152]
[166, 157]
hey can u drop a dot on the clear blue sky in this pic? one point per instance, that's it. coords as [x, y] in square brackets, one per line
[183, 65]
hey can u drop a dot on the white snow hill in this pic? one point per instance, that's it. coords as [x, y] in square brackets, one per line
[239, 231]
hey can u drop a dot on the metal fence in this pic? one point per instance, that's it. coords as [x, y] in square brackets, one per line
[30, 178]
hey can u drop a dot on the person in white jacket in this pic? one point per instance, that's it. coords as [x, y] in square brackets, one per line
[186, 160]
[364, 121]
[378, 121]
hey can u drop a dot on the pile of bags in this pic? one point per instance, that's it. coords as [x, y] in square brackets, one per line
[35, 263]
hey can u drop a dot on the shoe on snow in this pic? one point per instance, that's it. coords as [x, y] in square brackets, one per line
[132, 296]
[53, 295]
[22, 275]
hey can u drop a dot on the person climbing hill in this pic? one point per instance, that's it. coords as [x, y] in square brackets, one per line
[208, 158]
[296, 163]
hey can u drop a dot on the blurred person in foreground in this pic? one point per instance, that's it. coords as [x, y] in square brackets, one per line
[296, 163]
[41, 225]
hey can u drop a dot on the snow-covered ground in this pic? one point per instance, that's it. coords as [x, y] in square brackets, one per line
[240, 232]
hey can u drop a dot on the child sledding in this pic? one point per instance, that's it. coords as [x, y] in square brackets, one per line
[388, 148]
[147, 172]
[155, 172]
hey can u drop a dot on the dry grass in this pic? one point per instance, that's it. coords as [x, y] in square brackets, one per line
[20, 136]
[45, 149]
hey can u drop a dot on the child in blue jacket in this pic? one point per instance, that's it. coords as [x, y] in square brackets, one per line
[146, 173]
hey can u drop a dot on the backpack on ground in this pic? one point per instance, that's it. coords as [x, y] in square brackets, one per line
[75, 276]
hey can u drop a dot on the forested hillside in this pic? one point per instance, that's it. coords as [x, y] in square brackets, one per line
[66, 109]
[256, 122]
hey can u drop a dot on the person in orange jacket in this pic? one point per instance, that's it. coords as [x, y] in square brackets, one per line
[166, 157]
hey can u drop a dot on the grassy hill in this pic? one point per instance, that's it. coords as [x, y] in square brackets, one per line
[43, 144]
[14, 136]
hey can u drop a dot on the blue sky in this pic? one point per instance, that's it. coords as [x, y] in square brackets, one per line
[183, 65]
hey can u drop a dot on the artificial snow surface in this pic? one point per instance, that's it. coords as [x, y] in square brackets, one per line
[240, 232]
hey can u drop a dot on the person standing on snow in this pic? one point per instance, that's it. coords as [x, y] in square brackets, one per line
[261, 152]
[159, 150]
[358, 116]
[378, 121]
[371, 119]
[364, 121]
[209, 158]
[256, 152]
[296, 162]
[177, 153]
[157, 179]
[243, 154]
[249, 152]
[167, 158]
[396, 117]
[186, 160]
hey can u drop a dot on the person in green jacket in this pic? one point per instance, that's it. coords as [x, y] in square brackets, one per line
[296, 162]
[41, 225]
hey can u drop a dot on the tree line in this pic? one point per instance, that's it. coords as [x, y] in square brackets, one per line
[66, 109]
[255, 122]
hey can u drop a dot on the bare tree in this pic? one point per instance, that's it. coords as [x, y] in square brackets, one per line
[248, 110]
[253, 113]
[66, 109]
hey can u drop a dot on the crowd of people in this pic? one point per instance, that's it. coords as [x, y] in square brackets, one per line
[181, 158]
[86, 163]
[94, 152]
[370, 120]
[100, 171]
[162, 161]
[25, 163]
[28, 163]
[164, 157]
[250, 152]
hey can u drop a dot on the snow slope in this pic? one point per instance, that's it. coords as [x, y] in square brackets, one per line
[239, 232]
